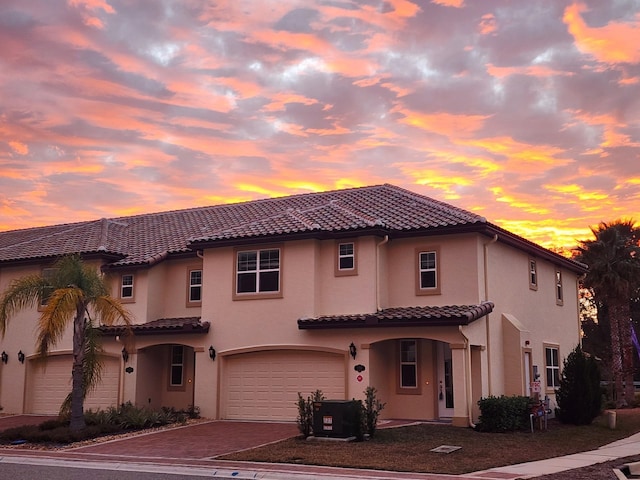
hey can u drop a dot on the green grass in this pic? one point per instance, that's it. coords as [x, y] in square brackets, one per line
[408, 448]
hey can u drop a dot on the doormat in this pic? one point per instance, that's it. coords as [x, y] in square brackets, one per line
[445, 449]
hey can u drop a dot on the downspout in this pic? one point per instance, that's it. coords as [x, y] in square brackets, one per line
[199, 253]
[384, 240]
[486, 299]
[467, 376]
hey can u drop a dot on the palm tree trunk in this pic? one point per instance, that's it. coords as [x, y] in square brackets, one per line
[616, 352]
[77, 372]
[627, 353]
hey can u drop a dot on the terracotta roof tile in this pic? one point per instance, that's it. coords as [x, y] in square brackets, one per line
[428, 316]
[148, 238]
[160, 326]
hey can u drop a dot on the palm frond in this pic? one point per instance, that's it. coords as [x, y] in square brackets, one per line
[54, 319]
[22, 293]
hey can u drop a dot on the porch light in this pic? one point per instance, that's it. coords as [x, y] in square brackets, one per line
[352, 350]
[125, 355]
[212, 353]
[4, 357]
[21, 356]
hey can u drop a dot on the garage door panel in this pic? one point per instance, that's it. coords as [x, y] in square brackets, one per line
[265, 385]
[49, 384]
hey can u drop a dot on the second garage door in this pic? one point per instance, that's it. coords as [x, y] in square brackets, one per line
[265, 385]
[49, 385]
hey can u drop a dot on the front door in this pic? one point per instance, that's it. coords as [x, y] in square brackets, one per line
[445, 381]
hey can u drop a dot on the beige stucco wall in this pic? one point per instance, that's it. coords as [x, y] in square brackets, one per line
[310, 288]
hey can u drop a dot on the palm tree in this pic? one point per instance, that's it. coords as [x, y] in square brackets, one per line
[613, 258]
[74, 290]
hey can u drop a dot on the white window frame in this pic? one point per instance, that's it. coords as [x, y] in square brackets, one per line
[176, 363]
[533, 274]
[194, 286]
[408, 362]
[558, 287]
[552, 367]
[341, 254]
[124, 286]
[258, 270]
[433, 269]
[47, 274]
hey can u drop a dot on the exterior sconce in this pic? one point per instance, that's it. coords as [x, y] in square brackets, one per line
[21, 356]
[125, 355]
[352, 350]
[212, 353]
[4, 357]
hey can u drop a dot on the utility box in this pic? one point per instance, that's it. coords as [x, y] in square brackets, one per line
[336, 418]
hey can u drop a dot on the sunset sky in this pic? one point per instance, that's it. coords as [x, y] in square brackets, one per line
[524, 111]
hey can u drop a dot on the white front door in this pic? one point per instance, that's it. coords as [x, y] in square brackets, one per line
[445, 381]
[527, 374]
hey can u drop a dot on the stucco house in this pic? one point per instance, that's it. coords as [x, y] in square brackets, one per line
[239, 307]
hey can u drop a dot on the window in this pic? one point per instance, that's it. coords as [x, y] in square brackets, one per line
[533, 275]
[176, 376]
[258, 272]
[195, 286]
[126, 287]
[559, 295]
[47, 275]
[408, 364]
[428, 275]
[346, 263]
[346, 256]
[552, 367]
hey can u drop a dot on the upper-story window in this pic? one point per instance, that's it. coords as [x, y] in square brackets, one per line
[552, 367]
[195, 286]
[258, 272]
[346, 262]
[428, 271]
[533, 274]
[559, 293]
[47, 275]
[126, 286]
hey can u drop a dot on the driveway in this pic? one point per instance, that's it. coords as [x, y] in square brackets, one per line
[198, 441]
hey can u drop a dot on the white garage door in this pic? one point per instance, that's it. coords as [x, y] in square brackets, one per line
[265, 385]
[49, 385]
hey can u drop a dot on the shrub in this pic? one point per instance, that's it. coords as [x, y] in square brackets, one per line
[579, 396]
[503, 414]
[305, 411]
[371, 410]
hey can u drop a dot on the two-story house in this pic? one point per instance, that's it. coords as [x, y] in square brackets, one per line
[239, 307]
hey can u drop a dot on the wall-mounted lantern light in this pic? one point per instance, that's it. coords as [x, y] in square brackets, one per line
[125, 355]
[212, 352]
[4, 357]
[352, 350]
[21, 356]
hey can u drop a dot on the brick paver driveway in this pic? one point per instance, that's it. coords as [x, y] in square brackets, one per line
[198, 441]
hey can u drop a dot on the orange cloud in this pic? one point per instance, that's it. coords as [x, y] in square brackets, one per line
[19, 147]
[448, 124]
[615, 42]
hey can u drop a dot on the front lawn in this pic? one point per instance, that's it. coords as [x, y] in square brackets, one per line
[408, 448]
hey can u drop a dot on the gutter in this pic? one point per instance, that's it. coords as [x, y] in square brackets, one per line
[467, 374]
[384, 241]
[486, 299]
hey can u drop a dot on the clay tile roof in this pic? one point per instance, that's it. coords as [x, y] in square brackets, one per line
[161, 326]
[429, 316]
[150, 238]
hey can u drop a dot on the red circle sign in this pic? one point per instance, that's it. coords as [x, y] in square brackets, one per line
[359, 378]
